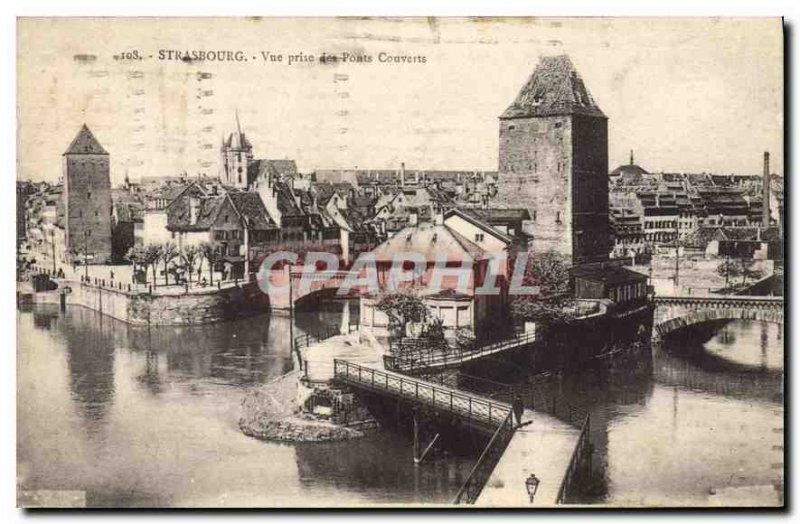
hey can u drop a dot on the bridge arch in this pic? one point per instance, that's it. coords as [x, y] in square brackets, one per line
[675, 313]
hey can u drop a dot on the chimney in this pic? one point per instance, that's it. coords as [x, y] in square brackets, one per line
[765, 191]
[402, 174]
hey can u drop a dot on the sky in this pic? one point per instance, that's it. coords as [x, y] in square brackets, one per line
[687, 95]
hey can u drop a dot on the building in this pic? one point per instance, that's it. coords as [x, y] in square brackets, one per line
[236, 222]
[87, 199]
[236, 153]
[554, 162]
[126, 216]
[629, 170]
[458, 307]
[508, 221]
[620, 285]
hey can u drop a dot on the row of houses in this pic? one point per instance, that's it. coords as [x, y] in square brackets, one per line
[650, 212]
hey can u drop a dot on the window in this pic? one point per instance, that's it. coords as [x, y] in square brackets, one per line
[463, 316]
[558, 217]
[448, 316]
[478, 237]
[89, 195]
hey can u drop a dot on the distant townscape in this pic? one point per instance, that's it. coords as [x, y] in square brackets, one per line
[551, 191]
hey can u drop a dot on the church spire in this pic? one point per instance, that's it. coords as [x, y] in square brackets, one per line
[238, 126]
[631, 163]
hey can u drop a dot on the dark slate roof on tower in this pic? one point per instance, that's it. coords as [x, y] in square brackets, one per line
[85, 144]
[554, 88]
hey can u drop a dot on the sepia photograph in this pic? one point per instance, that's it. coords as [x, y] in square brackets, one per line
[404, 262]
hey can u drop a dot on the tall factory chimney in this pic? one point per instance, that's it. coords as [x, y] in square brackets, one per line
[765, 191]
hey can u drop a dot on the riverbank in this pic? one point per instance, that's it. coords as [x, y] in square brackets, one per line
[271, 413]
[165, 306]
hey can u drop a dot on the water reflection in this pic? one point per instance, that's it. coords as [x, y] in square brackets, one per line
[345, 466]
[668, 424]
[167, 403]
[90, 351]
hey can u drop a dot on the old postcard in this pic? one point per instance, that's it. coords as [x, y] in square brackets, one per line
[441, 262]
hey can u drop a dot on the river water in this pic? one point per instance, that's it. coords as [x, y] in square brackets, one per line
[138, 417]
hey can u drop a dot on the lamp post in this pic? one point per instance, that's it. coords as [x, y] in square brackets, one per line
[532, 484]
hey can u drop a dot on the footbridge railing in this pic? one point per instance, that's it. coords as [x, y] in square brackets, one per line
[422, 360]
[486, 463]
[473, 408]
[578, 454]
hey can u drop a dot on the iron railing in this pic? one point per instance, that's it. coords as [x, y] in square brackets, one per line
[486, 463]
[308, 339]
[421, 360]
[471, 407]
[575, 461]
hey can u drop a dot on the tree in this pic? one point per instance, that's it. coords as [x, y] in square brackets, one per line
[167, 254]
[747, 270]
[151, 255]
[402, 308]
[550, 272]
[190, 254]
[210, 252]
[728, 268]
[739, 267]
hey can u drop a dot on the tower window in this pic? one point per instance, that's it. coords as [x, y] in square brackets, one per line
[558, 217]
[89, 194]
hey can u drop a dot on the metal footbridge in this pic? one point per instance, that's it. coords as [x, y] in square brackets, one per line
[432, 360]
[548, 447]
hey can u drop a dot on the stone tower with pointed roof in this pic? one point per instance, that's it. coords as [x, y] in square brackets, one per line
[237, 153]
[554, 161]
[87, 199]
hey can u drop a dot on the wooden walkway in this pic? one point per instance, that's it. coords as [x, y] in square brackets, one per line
[545, 448]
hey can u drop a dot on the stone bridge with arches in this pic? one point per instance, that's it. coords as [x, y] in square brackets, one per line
[676, 312]
[290, 289]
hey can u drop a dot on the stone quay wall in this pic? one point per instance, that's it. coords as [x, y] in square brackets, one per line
[196, 307]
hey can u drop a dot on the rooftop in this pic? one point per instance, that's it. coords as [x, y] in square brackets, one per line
[85, 143]
[554, 88]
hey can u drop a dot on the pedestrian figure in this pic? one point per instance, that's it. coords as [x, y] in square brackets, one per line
[518, 407]
[112, 274]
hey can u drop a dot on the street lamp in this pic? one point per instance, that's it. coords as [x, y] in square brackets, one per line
[532, 484]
